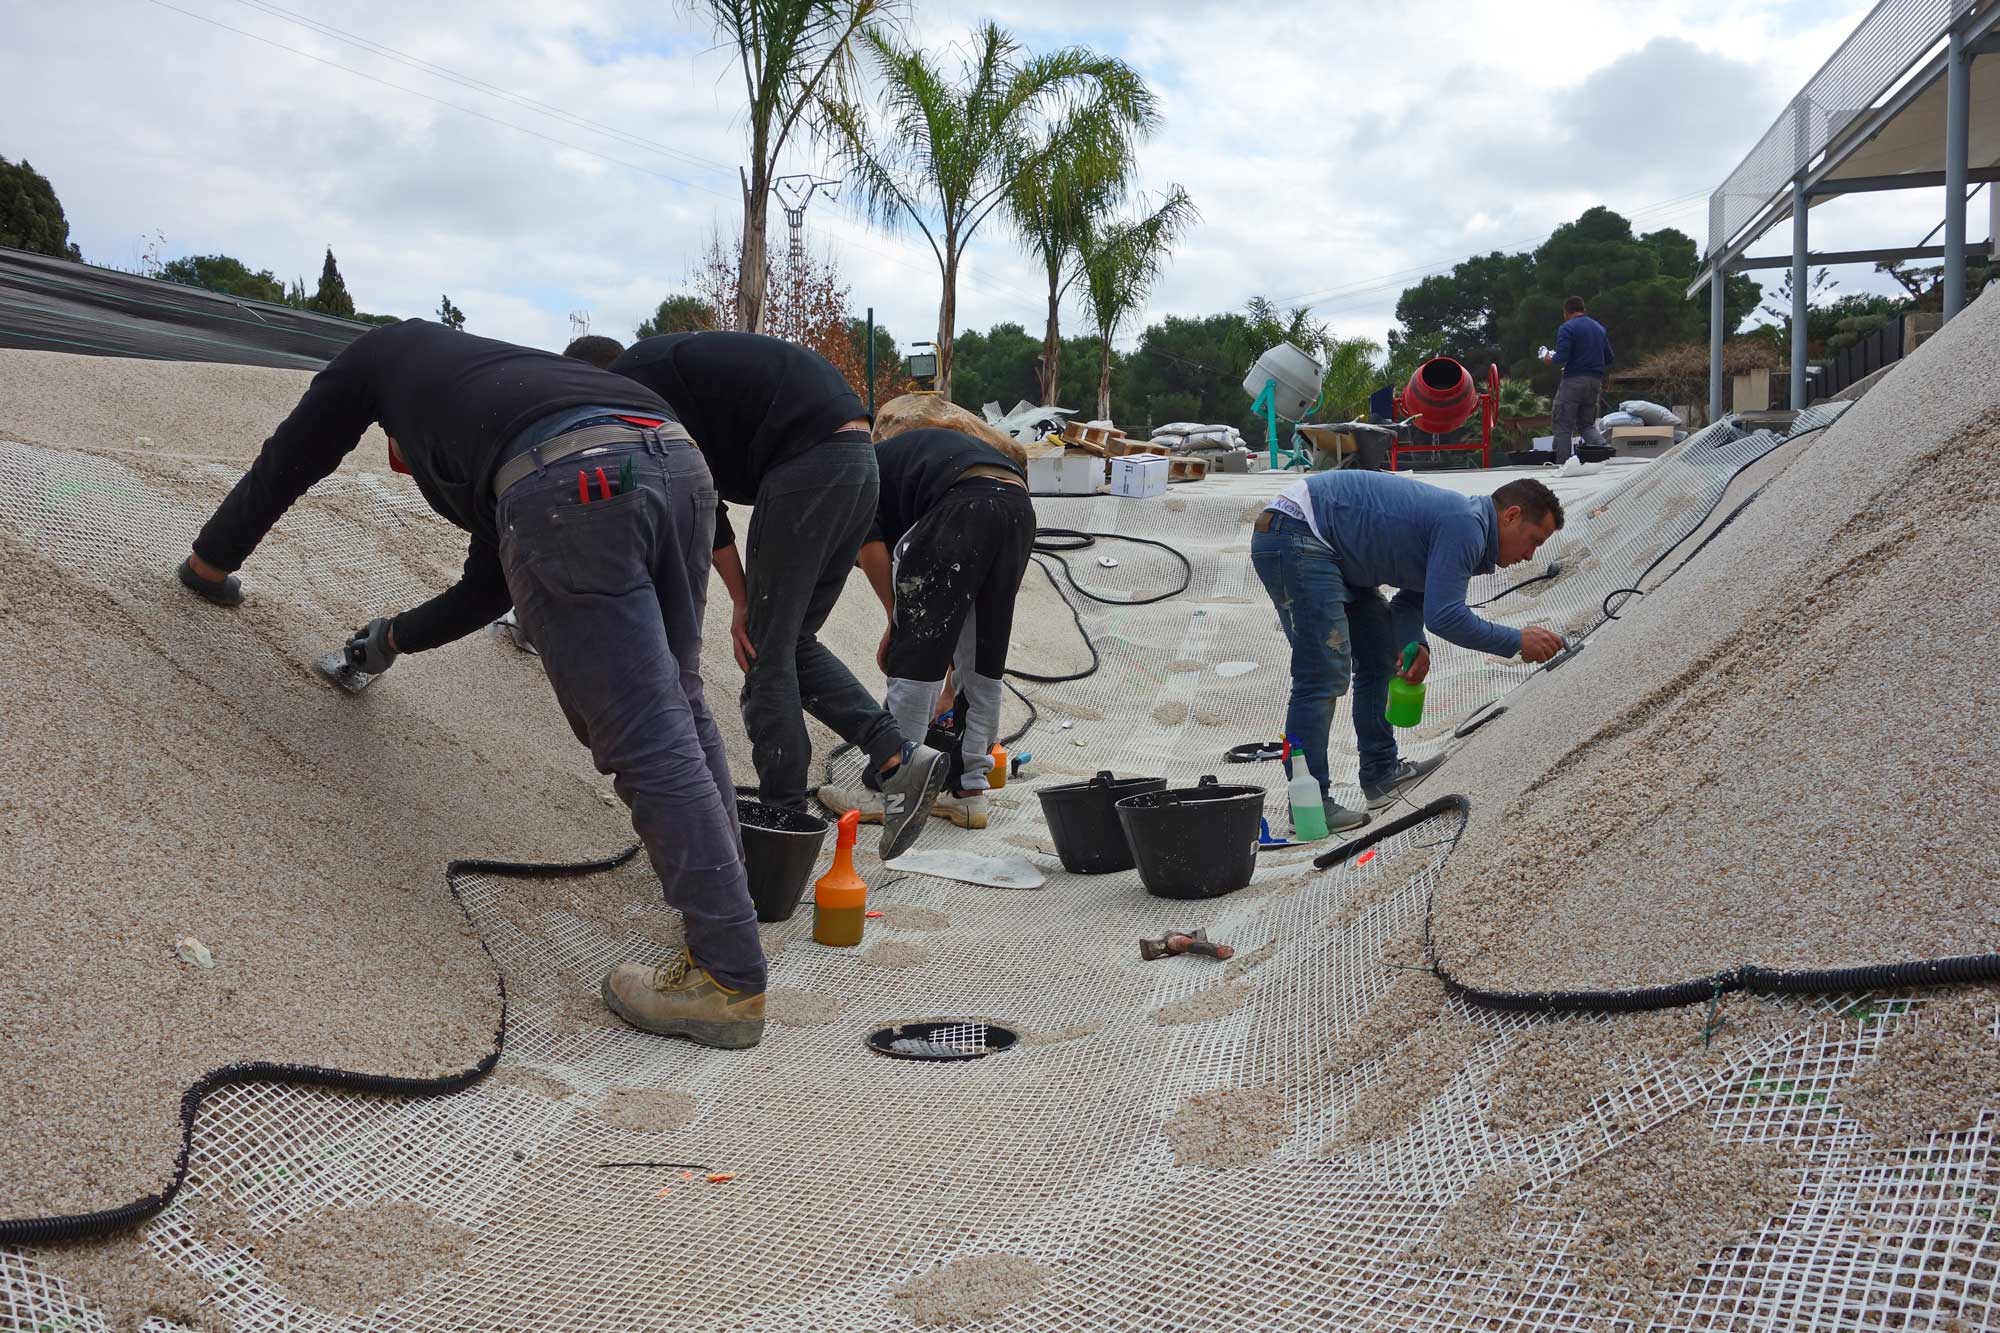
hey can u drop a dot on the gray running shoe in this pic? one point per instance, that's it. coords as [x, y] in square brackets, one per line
[907, 797]
[1340, 819]
[1405, 776]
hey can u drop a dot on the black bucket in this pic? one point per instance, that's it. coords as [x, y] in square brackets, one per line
[1083, 821]
[780, 848]
[1194, 842]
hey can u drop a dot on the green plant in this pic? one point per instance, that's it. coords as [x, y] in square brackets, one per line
[797, 56]
[953, 145]
[1121, 262]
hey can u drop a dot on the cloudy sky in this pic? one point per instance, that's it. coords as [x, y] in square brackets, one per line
[537, 157]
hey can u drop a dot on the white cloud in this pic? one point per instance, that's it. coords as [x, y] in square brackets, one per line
[1335, 151]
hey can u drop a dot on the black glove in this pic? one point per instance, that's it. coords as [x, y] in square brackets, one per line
[369, 651]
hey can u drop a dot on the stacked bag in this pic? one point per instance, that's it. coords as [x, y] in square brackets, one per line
[1184, 437]
[1638, 412]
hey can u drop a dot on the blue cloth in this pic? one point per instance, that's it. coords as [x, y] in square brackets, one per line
[1582, 347]
[1422, 540]
[1340, 634]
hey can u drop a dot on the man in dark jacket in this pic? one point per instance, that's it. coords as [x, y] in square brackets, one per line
[784, 433]
[1583, 350]
[590, 513]
[952, 532]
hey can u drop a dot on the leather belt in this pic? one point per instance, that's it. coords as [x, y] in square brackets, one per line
[581, 441]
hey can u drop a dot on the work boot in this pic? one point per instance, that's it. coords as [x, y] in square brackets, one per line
[908, 791]
[1404, 776]
[1340, 819]
[967, 809]
[839, 800]
[680, 999]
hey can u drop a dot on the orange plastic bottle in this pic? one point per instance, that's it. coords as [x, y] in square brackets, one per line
[997, 777]
[840, 897]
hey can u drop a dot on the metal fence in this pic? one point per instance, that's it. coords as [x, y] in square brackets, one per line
[1880, 50]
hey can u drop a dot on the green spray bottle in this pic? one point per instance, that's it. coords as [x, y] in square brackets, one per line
[1406, 697]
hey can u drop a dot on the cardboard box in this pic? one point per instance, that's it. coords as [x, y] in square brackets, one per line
[1139, 475]
[1065, 474]
[1642, 435]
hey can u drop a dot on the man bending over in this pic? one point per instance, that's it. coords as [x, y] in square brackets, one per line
[1324, 549]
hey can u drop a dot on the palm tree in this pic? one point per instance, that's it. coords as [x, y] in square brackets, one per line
[796, 56]
[1121, 261]
[952, 147]
[1057, 209]
[1353, 371]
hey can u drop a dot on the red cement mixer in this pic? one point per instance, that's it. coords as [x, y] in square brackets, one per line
[1439, 399]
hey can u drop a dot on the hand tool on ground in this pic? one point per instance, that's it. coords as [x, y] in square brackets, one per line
[348, 668]
[1183, 941]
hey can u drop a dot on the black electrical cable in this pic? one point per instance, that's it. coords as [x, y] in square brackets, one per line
[1554, 572]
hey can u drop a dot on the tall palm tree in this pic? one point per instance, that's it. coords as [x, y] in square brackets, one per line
[1056, 210]
[1121, 262]
[953, 145]
[796, 55]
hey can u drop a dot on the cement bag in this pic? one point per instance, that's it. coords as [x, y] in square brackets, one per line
[1180, 428]
[1650, 414]
[1610, 419]
[1171, 439]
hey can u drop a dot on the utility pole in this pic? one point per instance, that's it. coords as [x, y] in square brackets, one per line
[795, 194]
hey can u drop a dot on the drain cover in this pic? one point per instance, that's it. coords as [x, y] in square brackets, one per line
[942, 1039]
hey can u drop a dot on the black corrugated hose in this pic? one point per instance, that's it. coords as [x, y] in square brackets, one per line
[79, 1226]
[1747, 977]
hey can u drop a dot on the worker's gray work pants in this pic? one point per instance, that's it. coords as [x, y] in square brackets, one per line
[612, 594]
[1575, 411]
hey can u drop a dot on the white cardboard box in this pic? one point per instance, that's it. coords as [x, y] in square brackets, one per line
[1139, 475]
[1065, 474]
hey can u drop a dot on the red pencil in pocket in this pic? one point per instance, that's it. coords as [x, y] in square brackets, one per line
[582, 489]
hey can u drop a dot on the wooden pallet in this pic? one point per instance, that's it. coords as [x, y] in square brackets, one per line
[1098, 440]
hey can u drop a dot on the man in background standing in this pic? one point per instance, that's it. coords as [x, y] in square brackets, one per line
[1583, 350]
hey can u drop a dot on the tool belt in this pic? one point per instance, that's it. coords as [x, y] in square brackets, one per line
[576, 442]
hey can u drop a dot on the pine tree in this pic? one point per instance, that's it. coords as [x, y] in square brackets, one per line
[450, 315]
[332, 297]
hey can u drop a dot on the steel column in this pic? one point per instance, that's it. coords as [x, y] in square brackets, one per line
[1718, 283]
[1957, 134]
[1799, 303]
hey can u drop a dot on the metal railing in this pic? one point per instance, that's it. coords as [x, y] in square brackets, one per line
[1876, 55]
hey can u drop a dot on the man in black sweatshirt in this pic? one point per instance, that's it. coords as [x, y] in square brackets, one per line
[591, 513]
[953, 529]
[784, 433]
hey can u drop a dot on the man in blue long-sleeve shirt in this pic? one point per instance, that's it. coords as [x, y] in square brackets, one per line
[1583, 350]
[1324, 549]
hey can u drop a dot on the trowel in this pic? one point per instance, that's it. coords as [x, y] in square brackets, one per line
[340, 672]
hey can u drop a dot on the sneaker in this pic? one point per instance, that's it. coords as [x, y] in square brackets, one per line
[1340, 819]
[1404, 776]
[229, 592]
[680, 999]
[839, 800]
[907, 795]
[965, 809]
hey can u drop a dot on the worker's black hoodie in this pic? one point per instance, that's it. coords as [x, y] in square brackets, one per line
[453, 402]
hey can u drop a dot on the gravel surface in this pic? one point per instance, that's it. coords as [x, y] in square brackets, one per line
[1228, 1127]
[1785, 755]
[796, 1008]
[968, 1290]
[124, 1282]
[1409, 1077]
[647, 1110]
[1661, 1205]
[1936, 1070]
[898, 953]
[354, 1258]
[1211, 1002]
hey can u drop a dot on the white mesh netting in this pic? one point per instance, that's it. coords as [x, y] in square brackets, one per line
[1301, 1139]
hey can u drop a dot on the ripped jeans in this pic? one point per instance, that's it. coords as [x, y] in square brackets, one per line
[1340, 634]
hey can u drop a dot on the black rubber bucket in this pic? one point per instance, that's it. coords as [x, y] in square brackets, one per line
[1083, 821]
[1194, 842]
[780, 848]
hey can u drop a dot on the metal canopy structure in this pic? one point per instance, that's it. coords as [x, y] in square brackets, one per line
[1903, 104]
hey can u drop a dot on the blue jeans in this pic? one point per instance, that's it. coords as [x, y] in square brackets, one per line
[1340, 634]
[612, 593]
